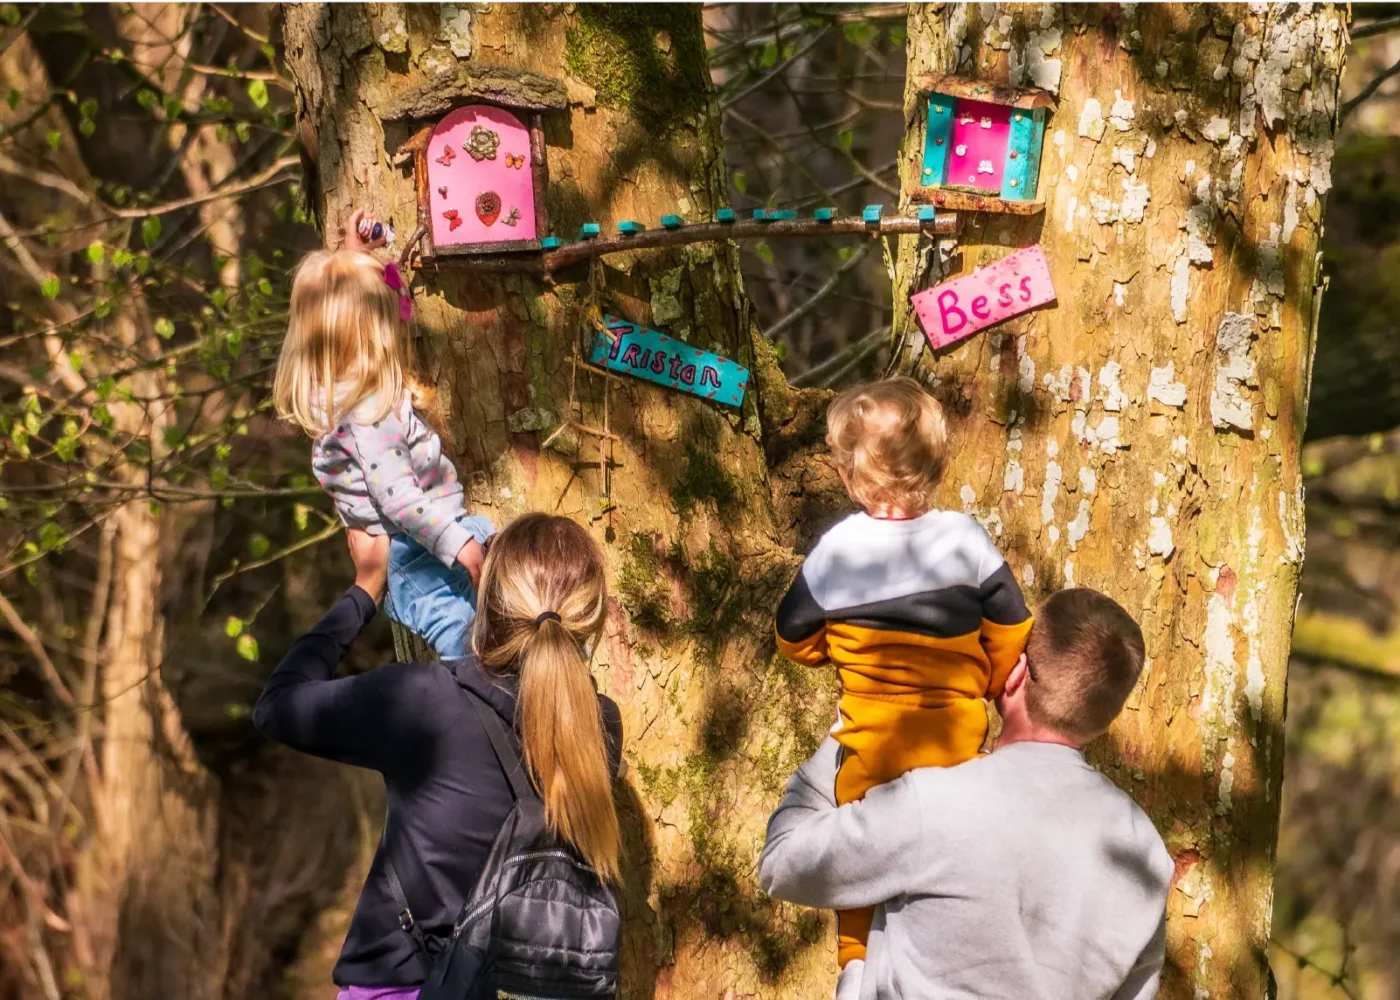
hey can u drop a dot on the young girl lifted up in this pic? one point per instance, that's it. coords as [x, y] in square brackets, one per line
[344, 378]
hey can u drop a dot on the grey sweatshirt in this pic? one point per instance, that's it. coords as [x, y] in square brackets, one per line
[1023, 875]
[390, 477]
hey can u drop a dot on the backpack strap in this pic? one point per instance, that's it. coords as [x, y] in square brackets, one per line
[506, 754]
[406, 921]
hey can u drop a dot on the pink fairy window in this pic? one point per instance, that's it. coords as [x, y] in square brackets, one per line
[480, 179]
[980, 135]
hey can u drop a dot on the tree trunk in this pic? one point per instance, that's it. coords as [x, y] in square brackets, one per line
[681, 498]
[1142, 435]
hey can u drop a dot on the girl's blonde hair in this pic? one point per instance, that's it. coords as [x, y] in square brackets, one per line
[345, 343]
[543, 563]
[890, 440]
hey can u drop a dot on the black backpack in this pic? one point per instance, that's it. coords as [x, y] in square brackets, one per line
[538, 925]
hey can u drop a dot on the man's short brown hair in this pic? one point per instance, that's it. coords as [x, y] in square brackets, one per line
[1085, 653]
[891, 441]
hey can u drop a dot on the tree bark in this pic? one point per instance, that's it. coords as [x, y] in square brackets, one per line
[1142, 435]
[680, 498]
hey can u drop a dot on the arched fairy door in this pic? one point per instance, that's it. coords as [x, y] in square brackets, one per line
[482, 182]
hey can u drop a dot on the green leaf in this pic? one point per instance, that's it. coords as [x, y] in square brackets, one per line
[242, 131]
[54, 140]
[268, 51]
[50, 287]
[264, 286]
[102, 309]
[221, 132]
[95, 252]
[86, 127]
[143, 264]
[12, 98]
[121, 257]
[104, 388]
[51, 536]
[897, 35]
[150, 231]
[769, 57]
[741, 181]
[858, 32]
[259, 545]
[9, 13]
[257, 90]
[846, 139]
[146, 98]
[65, 448]
[102, 416]
[165, 329]
[247, 647]
[173, 436]
[299, 515]
[233, 628]
[219, 298]
[88, 109]
[764, 251]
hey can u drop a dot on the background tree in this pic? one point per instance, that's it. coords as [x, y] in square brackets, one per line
[1147, 430]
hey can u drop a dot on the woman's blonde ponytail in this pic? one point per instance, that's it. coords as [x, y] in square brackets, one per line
[543, 600]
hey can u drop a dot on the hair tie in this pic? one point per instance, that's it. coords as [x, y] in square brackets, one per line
[394, 281]
[547, 616]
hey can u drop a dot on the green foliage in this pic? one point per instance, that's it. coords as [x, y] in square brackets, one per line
[150, 231]
[643, 587]
[247, 647]
[257, 92]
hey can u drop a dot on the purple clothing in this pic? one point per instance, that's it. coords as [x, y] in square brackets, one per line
[390, 477]
[378, 993]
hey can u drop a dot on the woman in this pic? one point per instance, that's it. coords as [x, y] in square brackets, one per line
[542, 603]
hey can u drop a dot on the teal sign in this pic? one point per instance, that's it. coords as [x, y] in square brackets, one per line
[651, 355]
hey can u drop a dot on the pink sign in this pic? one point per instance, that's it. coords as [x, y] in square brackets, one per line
[980, 134]
[480, 183]
[959, 308]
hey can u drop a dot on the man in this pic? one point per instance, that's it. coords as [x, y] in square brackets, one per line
[1023, 875]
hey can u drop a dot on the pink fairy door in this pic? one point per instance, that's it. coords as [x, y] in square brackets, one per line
[480, 182]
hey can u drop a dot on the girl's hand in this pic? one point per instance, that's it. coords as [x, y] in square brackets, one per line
[370, 554]
[359, 232]
[471, 557]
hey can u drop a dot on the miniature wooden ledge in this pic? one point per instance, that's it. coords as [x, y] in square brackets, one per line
[966, 201]
[1027, 98]
[505, 86]
[943, 224]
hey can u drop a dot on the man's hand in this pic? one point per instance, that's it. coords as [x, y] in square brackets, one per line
[359, 232]
[370, 554]
[470, 557]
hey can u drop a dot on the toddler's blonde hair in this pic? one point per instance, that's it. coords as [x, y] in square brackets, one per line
[890, 441]
[345, 343]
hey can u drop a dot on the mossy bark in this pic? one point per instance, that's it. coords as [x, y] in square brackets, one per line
[1142, 435]
[713, 721]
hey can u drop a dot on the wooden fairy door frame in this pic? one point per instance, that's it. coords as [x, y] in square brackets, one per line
[993, 166]
[525, 97]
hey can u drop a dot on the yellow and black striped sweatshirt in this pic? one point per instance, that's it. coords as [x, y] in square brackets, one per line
[916, 612]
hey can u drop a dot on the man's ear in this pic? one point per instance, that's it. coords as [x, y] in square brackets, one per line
[1017, 678]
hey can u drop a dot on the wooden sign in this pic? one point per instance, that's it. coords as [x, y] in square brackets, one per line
[651, 355]
[961, 307]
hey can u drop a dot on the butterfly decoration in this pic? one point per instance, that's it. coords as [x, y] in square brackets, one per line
[447, 156]
[985, 123]
[443, 190]
[453, 220]
[512, 217]
[515, 160]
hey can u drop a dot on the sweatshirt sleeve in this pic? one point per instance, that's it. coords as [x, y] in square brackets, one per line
[347, 719]
[838, 857]
[1146, 974]
[801, 623]
[1006, 621]
[383, 451]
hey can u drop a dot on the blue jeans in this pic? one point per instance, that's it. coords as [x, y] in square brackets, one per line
[437, 602]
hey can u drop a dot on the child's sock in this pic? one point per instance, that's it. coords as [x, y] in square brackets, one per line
[848, 983]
